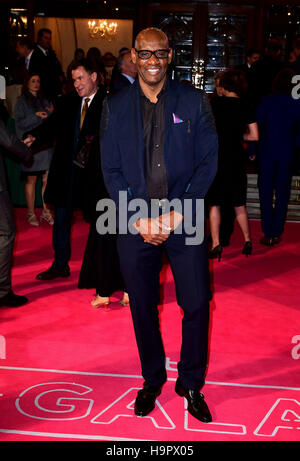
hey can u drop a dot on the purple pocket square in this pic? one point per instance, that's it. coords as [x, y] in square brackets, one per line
[177, 119]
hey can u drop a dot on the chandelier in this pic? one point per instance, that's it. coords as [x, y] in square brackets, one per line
[102, 29]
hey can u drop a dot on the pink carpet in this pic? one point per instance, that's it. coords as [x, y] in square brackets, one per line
[69, 371]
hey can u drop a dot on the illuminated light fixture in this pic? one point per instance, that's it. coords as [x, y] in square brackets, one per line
[102, 29]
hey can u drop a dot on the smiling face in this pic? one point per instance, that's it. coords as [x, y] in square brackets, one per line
[152, 72]
[85, 83]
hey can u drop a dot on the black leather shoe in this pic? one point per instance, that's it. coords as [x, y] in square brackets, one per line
[267, 241]
[196, 404]
[145, 401]
[12, 300]
[53, 273]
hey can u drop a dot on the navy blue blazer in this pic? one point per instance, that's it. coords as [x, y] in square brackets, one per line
[190, 143]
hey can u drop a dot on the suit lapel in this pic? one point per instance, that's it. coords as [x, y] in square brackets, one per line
[132, 126]
[170, 109]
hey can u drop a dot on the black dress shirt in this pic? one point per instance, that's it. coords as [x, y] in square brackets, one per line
[153, 115]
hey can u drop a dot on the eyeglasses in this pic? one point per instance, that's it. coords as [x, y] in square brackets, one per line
[146, 54]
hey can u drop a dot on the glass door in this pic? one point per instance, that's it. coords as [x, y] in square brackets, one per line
[179, 29]
[226, 44]
[206, 38]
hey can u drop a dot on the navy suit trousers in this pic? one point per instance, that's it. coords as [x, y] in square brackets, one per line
[274, 176]
[141, 264]
[61, 236]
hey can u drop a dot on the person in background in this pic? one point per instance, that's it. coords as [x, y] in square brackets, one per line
[25, 49]
[9, 143]
[278, 118]
[226, 209]
[126, 75]
[71, 127]
[115, 70]
[31, 109]
[94, 56]
[218, 89]
[78, 55]
[263, 71]
[44, 62]
[235, 123]
[252, 56]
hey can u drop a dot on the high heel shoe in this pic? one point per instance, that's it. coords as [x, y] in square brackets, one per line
[99, 301]
[47, 216]
[247, 250]
[215, 252]
[32, 219]
[125, 300]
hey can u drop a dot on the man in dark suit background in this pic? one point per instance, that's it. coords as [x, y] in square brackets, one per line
[159, 143]
[41, 58]
[263, 71]
[126, 73]
[8, 143]
[74, 125]
[252, 55]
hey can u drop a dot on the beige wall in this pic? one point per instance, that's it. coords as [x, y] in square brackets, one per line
[69, 34]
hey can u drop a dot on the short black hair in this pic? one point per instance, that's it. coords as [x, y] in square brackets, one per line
[89, 65]
[42, 31]
[252, 51]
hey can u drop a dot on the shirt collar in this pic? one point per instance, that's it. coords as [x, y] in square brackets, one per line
[43, 50]
[90, 99]
[131, 79]
[160, 94]
[27, 59]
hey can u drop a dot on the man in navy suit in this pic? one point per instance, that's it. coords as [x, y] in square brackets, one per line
[158, 143]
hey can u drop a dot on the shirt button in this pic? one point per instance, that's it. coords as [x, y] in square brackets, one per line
[156, 145]
[158, 164]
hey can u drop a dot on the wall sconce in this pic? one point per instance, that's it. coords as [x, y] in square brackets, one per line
[102, 29]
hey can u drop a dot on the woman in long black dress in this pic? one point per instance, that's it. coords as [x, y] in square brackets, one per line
[235, 123]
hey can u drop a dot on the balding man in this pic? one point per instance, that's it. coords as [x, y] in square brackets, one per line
[159, 144]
